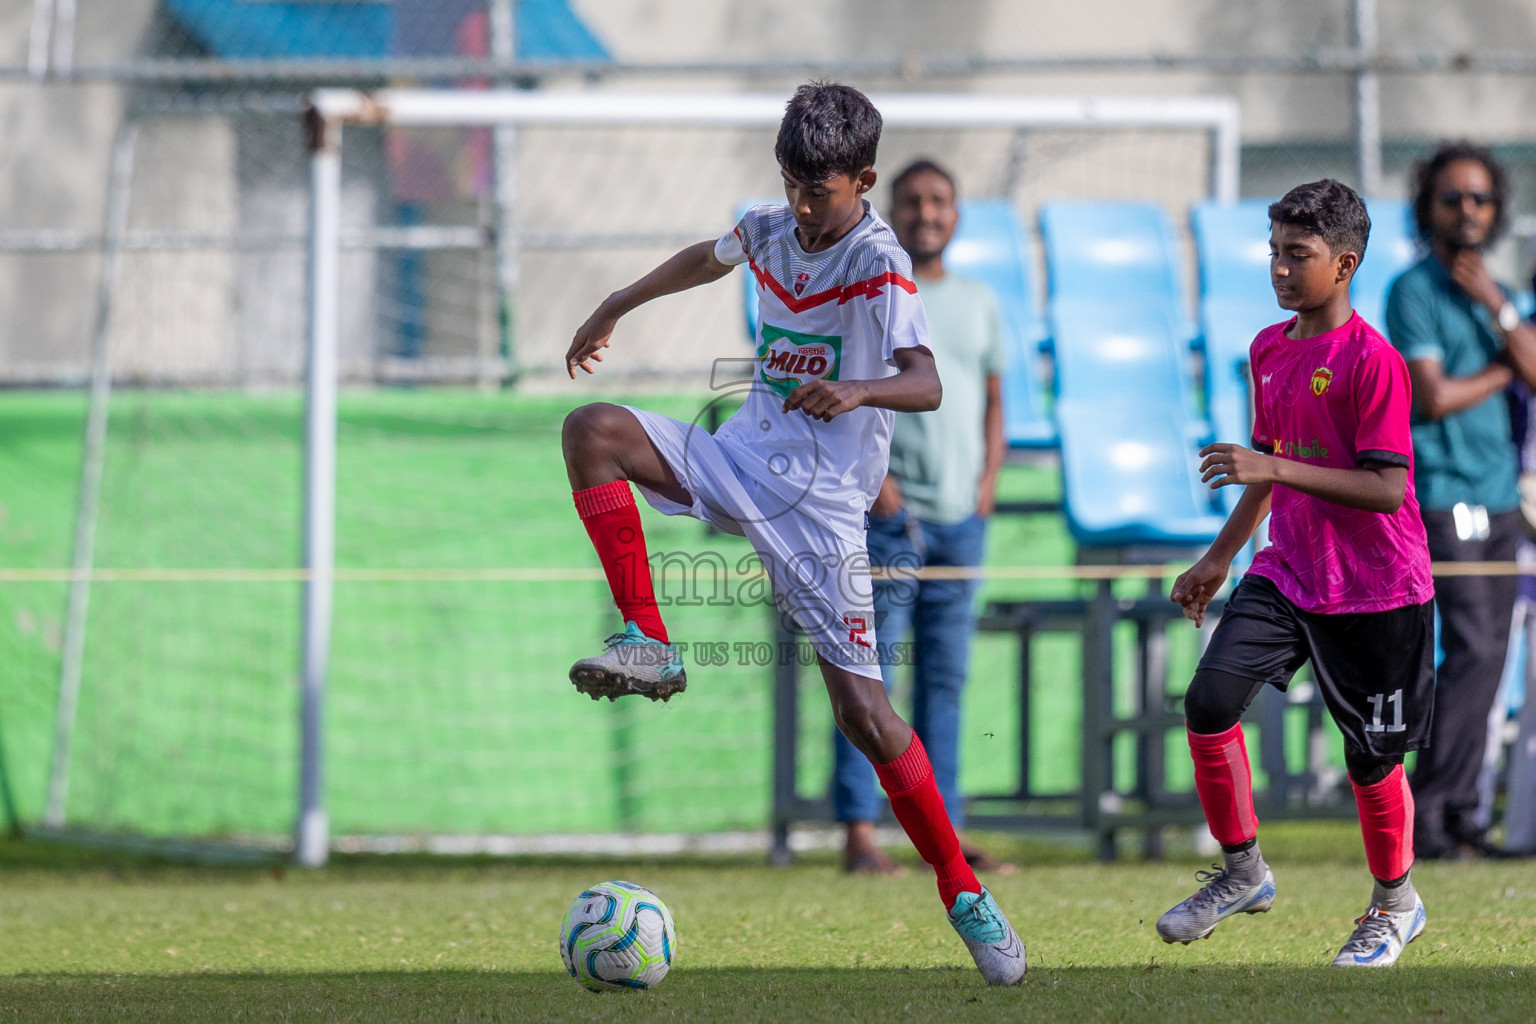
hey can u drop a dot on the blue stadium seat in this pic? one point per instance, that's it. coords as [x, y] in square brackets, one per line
[1129, 475]
[1123, 381]
[990, 246]
[1232, 242]
[1236, 302]
[1391, 251]
[1126, 353]
[1111, 252]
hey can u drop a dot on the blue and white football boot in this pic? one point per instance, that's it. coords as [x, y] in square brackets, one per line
[1380, 936]
[632, 663]
[1221, 897]
[994, 945]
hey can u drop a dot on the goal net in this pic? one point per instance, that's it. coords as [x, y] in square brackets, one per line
[467, 234]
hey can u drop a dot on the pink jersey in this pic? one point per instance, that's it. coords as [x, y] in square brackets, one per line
[1338, 400]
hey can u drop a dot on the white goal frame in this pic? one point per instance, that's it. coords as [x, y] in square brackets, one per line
[330, 110]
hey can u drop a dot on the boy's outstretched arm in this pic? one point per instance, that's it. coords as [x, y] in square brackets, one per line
[1375, 487]
[1195, 587]
[914, 387]
[690, 268]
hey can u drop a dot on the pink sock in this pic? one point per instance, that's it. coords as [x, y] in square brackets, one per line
[1225, 784]
[1386, 824]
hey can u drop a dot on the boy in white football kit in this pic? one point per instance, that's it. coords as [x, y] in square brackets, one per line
[841, 347]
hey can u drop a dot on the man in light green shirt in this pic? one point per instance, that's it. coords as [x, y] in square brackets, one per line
[932, 511]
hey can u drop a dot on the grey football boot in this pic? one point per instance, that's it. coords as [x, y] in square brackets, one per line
[631, 663]
[1222, 896]
[1380, 936]
[994, 945]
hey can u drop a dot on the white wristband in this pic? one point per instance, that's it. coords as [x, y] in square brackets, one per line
[1509, 316]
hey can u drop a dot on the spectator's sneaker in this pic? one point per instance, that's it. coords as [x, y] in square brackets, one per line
[1221, 897]
[633, 663]
[993, 943]
[1380, 936]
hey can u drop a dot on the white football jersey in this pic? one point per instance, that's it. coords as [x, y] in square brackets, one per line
[839, 314]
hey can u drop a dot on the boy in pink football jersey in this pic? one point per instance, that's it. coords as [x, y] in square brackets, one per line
[1345, 582]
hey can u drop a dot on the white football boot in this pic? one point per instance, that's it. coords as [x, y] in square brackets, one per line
[994, 945]
[632, 663]
[1380, 936]
[1221, 897]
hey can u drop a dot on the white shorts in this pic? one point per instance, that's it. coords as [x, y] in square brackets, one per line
[819, 567]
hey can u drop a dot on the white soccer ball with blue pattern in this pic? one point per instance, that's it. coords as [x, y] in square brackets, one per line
[618, 936]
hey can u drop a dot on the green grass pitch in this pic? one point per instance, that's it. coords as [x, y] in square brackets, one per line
[87, 939]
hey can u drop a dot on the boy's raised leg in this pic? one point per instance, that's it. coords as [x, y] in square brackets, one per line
[864, 714]
[606, 447]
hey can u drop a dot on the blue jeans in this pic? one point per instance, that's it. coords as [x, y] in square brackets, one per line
[940, 617]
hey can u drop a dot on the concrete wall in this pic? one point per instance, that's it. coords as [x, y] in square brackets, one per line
[237, 317]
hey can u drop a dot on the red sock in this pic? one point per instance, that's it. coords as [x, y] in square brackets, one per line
[613, 522]
[915, 798]
[1225, 784]
[1386, 824]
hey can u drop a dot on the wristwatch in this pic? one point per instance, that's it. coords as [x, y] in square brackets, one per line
[1509, 316]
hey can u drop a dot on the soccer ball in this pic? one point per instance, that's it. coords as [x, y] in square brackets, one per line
[618, 935]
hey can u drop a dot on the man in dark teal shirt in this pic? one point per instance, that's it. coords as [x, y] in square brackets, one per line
[1464, 343]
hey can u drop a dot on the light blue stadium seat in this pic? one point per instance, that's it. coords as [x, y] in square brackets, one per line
[1236, 302]
[1232, 242]
[1227, 329]
[1129, 475]
[990, 246]
[1113, 252]
[1391, 251]
[1123, 382]
[1126, 352]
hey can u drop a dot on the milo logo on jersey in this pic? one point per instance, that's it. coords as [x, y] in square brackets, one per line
[787, 359]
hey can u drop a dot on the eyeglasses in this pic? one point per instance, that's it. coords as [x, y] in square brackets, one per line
[1454, 197]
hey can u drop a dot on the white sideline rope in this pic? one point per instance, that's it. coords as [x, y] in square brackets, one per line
[583, 575]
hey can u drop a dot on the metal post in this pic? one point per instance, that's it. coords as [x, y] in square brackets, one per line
[1272, 715]
[504, 146]
[1026, 635]
[786, 729]
[1367, 97]
[8, 815]
[1098, 796]
[1151, 685]
[64, 37]
[72, 660]
[628, 796]
[312, 839]
[38, 48]
[1227, 155]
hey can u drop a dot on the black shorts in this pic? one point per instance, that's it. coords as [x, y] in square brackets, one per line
[1376, 669]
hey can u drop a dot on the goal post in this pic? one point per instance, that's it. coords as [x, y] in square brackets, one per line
[332, 110]
[271, 554]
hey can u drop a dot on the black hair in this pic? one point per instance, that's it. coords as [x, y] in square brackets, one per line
[1329, 209]
[1426, 171]
[827, 129]
[922, 165]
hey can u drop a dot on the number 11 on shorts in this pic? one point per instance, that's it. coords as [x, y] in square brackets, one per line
[1378, 703]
